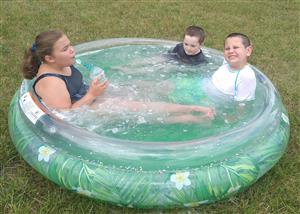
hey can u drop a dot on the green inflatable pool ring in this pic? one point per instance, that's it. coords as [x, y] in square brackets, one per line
[131, 172]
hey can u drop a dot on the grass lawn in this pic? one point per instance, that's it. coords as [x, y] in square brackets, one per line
[273, 27]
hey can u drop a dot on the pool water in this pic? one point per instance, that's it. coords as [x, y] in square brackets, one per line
[145, 73]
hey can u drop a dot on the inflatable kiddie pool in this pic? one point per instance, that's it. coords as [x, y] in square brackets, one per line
[129, 161]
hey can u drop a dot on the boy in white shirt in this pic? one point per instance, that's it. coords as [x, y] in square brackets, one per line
[236, 77]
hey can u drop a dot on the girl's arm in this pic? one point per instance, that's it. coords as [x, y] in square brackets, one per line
[54, 93]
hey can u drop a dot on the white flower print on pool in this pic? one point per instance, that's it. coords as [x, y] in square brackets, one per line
[45, 152]
[181, 179]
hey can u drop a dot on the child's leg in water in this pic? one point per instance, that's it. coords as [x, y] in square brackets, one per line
[161, 107]
[187, 118]
[176, 113]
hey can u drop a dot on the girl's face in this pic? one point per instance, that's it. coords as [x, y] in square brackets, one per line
[236, 53]
[191, 45]
[63, 52]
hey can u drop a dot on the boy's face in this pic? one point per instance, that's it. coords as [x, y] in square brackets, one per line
[236, 53]
[191, 45]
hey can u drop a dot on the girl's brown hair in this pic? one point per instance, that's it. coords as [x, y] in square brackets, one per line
[35, 55]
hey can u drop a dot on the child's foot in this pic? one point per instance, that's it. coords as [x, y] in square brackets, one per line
[207, 111]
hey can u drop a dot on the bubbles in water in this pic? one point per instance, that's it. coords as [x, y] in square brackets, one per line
[159, 119]
[141, 120]
[144, 73]
[115, 130]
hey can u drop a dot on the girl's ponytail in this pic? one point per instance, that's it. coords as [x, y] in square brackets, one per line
[31, 63]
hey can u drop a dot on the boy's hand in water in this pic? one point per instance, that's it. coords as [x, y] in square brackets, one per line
[96, 88]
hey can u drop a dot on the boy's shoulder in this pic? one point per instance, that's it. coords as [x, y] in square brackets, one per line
[248, 72]
[177, 48]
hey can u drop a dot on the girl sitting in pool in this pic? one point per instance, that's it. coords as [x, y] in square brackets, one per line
[60, 85]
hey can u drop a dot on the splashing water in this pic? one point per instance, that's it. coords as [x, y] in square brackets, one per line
[145, 73]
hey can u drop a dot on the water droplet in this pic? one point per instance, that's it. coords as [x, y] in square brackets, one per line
[115, 130]
[141, 120]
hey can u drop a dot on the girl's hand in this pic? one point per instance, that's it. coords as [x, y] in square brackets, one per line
[96, 88]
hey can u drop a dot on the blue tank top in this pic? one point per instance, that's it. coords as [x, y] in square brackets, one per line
[74, 83]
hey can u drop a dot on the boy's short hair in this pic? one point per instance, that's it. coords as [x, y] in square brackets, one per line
[245, 39]
[195, 31]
